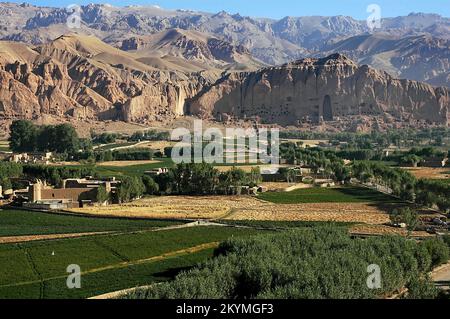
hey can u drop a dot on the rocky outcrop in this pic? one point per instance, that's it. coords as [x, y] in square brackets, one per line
[193, 46]
[322, 90]
[79, 77]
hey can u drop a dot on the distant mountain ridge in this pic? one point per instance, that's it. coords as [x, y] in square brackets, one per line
[273, 42]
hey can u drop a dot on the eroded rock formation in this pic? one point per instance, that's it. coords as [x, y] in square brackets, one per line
[315, 90]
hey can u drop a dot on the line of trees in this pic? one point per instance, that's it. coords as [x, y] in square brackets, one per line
[404, 185]
[399, 138]
[129, 154]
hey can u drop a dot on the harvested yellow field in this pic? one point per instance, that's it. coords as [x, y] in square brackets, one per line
[382, 230]
[337, 212]
[167, 207]
[126, 163]
[240, 208]
[429, 172]
[27, 238]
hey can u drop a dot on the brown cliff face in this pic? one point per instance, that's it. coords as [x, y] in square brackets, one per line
[83, 78]
[316, 90]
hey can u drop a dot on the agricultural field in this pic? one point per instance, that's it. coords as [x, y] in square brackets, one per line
[108, 262]
[326, 195]
[127, 163]
[132, 170]
[4, 146]
[429, 172]
[21, 223]
[311, 204]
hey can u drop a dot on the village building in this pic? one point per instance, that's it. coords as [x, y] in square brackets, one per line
[157, 171]
[74, 193]
[35, 158]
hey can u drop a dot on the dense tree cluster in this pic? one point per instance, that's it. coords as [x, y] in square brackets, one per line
[55, 174]
[203, 179]
[130, 188]
[27, 137]
[318, 262]
[8, 171]
[321, 161]
[104, 138]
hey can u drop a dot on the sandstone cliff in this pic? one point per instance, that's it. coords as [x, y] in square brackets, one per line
[81, 77]
[316, 90]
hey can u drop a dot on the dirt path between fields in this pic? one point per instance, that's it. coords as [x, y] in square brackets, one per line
[26, 238]
[120, 293]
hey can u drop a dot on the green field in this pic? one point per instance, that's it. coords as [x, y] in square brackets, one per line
[327, 195]
[38, 269]
[20, 222]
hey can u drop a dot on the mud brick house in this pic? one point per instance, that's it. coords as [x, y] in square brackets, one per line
[74, 193]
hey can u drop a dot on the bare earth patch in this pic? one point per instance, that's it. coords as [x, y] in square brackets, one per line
[240, 208]
[126, 163]
[21, 239]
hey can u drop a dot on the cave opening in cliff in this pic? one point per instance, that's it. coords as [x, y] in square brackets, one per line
[327, 111]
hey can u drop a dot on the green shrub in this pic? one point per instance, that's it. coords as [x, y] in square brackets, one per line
[422, 288]
[438, 251]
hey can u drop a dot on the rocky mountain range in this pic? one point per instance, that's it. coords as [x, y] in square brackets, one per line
[145, 64]
[271, 41]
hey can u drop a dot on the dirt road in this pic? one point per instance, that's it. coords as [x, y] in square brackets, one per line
[441, 276]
